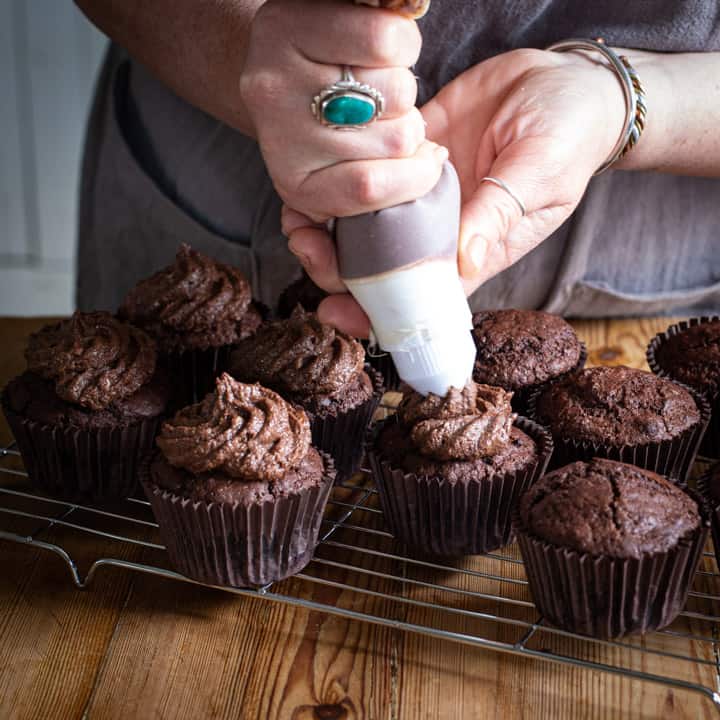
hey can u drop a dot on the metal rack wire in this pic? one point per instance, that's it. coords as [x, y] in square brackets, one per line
[360, 572]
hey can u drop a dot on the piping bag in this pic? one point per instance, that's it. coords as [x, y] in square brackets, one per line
[400, 264]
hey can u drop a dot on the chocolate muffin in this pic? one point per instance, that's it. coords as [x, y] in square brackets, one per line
[521, 350]
[237, 489]
[609, 548]
[86, 411]
[689, 352]
[624, 414]
[195, 309]
[308, 295]
[450, 469]
[709, 487]
[303, 292]
[320, 368]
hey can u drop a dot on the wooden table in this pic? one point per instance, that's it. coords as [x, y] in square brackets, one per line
[138, 646]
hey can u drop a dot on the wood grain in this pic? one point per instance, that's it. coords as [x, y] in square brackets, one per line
[139, 646]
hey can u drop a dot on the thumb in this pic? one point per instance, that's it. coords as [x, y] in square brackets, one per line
[496, 211]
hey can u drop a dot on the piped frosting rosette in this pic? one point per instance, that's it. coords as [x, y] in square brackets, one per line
[237, 489]
[450, 469]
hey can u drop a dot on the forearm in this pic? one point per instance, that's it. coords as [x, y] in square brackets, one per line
[682, 133]
[196, 48]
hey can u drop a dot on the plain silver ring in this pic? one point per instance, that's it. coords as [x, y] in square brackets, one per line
[503, 186]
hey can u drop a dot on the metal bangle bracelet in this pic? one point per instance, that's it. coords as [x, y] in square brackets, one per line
[635, 106]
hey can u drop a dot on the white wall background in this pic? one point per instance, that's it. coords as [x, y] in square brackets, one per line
[49, 56]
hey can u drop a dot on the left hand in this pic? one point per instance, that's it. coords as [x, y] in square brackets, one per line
[542, 122]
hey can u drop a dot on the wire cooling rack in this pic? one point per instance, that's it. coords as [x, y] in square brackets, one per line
[360, 572]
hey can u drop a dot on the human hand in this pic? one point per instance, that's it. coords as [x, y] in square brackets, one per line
[542, 122]
[296, 48]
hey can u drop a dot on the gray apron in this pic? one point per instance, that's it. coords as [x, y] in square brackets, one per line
[158, 172]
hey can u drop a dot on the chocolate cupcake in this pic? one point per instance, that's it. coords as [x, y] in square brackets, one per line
[609, 549]
[195, 309]
[708, 486]
[86, 411]
[237, 490]
[624, 414]
[689, 352]
[449, 470]
[321, 369]
[521, 350]
[308, 295]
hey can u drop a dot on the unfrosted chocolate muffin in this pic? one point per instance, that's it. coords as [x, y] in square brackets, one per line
[237, 489]
[195, 309]
[321, 369]
[709, 487]
[449, 469]
[689, 352]
[616, 411]
[520, 350]
[86, 410]
[609, 548]
[693, 356]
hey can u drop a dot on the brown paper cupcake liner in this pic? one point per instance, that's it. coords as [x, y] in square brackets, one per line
[672, 458]
[710, 446]
[606, 597]
[342, 436]
[435, 517]
[238, 546]
[384, 364]
[98, 465]
[703, 487]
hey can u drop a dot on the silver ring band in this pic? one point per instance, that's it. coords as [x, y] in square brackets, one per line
[503, 186]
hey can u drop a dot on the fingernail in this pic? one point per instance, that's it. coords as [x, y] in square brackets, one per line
[301, 256]
[475, 251]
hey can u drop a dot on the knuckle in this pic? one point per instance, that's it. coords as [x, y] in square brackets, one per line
[260, 87]
[382, 37]
[403, 140]
[366, 186]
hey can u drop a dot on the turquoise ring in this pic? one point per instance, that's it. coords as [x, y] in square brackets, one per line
[348, 104]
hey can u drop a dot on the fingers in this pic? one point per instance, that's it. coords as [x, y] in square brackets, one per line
[367, 185]
[335, 33]
[344, 313]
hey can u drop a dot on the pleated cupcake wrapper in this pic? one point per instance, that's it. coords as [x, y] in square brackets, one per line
[710, 446]
[238, 546]
[672, 458]
[386, 367]
[703, 487]
[98, 465]
[434, 517]
[522, 397]
[195, 372]
[606, 597]
[342, 436]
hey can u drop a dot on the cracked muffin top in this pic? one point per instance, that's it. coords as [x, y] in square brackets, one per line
[603, 507]
[520, 348]
[617, 406]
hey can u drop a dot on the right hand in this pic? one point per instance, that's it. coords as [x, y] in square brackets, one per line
[296, 48]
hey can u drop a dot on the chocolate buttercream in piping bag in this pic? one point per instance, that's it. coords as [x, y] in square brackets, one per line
[400, 264]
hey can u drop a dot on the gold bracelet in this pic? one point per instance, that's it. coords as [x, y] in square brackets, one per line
[635, 107]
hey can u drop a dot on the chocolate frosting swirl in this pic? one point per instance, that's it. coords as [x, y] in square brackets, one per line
[300, 355]
[244, 431]
[93, 358]
[194, 303]
[465, 424]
